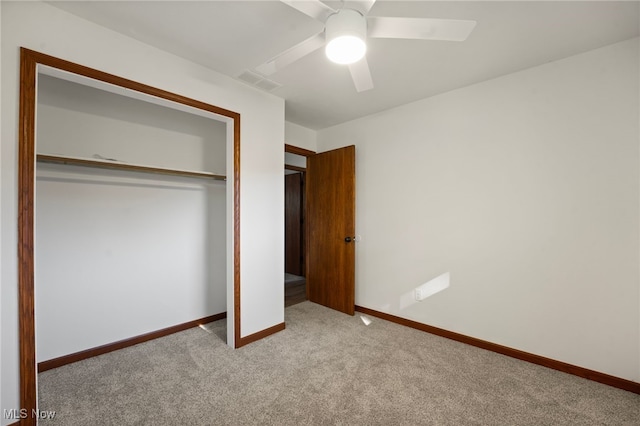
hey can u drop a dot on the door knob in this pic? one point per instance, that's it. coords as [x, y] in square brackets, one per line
[348, 239]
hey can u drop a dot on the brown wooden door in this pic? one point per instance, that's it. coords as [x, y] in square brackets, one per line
[331, 209]
[293, 227]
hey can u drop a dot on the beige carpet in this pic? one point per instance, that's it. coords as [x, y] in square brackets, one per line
[326, 368]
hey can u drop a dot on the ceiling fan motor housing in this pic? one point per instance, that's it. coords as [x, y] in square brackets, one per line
[349, 27]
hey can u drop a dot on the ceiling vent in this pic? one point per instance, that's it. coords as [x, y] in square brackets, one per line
[258, 80]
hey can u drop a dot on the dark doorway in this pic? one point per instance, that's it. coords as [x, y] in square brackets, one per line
[296, 242]
[294, 223]
[328, 226]
[294, 238]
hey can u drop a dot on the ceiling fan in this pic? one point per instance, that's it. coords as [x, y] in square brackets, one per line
[347, 29]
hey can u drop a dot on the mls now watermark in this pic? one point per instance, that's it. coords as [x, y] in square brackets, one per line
[23, 413]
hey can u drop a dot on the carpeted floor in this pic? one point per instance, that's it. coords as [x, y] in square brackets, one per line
[295, 289]
[326, 368]
[291, 278]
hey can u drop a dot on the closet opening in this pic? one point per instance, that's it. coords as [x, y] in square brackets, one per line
[128, 215]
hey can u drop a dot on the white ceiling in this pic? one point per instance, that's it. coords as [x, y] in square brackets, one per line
[234, 36]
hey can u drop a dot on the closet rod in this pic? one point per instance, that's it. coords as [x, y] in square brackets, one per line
[57, 159]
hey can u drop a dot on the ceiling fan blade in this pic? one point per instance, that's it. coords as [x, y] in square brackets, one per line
[313, 8]
[291, 55]
[363, 6]
[361, 75]
[420, 28]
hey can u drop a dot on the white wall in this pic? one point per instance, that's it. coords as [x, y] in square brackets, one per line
[300, 136]
[123, 254]
[2, 337]
[294, 160]
[77, 120]
[120, 254]
[44, 28]
[525, 189]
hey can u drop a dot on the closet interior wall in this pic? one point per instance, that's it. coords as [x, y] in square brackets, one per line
[121, 253]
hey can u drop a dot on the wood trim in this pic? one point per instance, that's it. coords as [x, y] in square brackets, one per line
[125, 343]
[29, 60]
[575, 370]
[236, 232]
[51, 61]
[26, 186]
[295, 168]
[299, 151]
[260, 335]
[86, 162]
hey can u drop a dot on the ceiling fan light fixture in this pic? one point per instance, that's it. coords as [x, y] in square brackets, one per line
[345, 34]
[345, 49]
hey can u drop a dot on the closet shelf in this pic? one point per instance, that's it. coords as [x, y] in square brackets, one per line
[106, 164]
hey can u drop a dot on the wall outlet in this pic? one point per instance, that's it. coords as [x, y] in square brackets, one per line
[418, 294]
